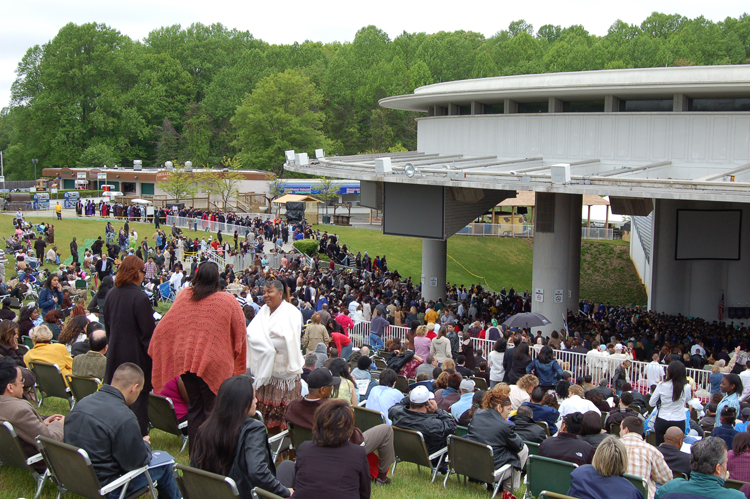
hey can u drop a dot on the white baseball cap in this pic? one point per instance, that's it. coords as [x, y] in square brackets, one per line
[618, 346]
[420, 394]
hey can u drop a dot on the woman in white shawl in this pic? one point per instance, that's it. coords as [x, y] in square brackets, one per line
[273, 353]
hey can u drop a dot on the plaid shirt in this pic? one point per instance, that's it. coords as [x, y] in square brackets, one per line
[150, 270]
[645, 461]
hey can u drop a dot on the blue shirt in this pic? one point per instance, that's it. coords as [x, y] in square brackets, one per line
[545, 413]
[587, 483]
[382, 398]
[732, 400]
[463, 405]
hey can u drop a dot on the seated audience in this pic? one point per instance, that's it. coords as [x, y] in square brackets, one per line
[93, 363]
[464, 403]
[6, 313]
[331, 449]
[26, 421]
[429, 365]
[640, 401]
[384, 396]
[103, 425]
[604, 475]
[725, 430]
[9, 342]
[520, 393]
[543, 412]
[526, 427]
[44, 351]
[231, 443]
[419, 412]
[644, 460]
[592, 429]
[176, 392]
[576, 403]
[362, 376]
[321, 385]
[449, 395]
[476, 403]
[708, 421]
[347, 389]
[597, 399]
[676, 459]
[490, 426]
[708, 462]
[311, 358]
[622, 410]
[738, 464]
[567, 446]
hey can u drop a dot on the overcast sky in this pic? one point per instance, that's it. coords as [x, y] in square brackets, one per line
[24, 23]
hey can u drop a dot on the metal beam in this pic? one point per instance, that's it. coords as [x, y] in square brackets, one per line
[733, 171]
[575, 163]
[634, 169]
[500, 163]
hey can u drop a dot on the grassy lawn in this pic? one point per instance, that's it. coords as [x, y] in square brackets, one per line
[607, 274]
[407, 484]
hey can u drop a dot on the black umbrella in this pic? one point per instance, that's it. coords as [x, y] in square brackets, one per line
[533, 319]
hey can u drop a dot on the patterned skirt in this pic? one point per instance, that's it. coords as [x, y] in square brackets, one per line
[273, 400]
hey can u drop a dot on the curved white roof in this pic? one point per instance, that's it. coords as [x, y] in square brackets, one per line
[642, 83]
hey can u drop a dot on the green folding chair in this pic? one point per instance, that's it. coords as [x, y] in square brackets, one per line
[410, 448]
[479, 383]
[72, 471]
[402, 384]
[474, 460]
[259, 493]
[544, 473]
[552, 495]
[379, 363]
[462, 431]
[734, 484]
[50, 381]
[533, 448]
[27, 341]
[544, 426]
[614, 429]
[639, 483]
[82, 387]
[297, 434]
[162, 416]
[196, 484]
[364, 418]
[13, 455]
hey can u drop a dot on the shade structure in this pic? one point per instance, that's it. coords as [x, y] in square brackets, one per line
[527, 320]
[140, 201]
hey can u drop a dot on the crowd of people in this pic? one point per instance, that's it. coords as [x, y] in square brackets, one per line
[283, 343]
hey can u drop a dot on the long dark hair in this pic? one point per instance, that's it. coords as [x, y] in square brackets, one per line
[500, 345]
[216, 442]
[521, 351]
[72, 329]
[205, 280]
[545, 355]
[106, 284]
[48, 282]
[735, 380]
[677, 375]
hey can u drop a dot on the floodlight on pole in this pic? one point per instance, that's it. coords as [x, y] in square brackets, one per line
[290, 157]
[409, 170]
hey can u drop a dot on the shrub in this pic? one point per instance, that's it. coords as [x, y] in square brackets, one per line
[307, 246]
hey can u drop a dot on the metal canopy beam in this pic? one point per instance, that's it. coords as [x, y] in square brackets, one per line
[622, 171]
[733, 171]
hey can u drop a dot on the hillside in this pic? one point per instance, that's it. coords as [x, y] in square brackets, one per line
[607, 274]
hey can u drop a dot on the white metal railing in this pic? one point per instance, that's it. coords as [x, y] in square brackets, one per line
[198, 224]
[523, 230]
[579, 364]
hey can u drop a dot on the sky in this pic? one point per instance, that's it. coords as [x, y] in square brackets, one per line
[26, 23]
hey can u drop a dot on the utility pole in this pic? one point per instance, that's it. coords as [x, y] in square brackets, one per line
[35, 161]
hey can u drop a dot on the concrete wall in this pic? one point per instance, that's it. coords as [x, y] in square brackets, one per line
[719, 138]
[638, 256]
[694, 287]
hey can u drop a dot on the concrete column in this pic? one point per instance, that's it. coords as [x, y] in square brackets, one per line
[510, 106]
[679, 103]
[611, 104]
[555, 105]
[477, 107]
[453, 110]
[434, 255]
[557, 256]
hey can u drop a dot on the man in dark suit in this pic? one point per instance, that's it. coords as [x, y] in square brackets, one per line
[74, 250]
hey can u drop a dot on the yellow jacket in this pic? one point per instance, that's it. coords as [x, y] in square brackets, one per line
[52, 353]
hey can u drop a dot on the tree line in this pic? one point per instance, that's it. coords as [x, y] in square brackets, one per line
[93, 96]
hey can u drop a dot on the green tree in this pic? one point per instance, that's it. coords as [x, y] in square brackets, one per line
[97, 156]
[282, 113]
[327, 191]
[276, 188]
[180, 185]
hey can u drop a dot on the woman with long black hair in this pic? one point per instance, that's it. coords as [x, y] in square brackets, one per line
[232, 444]
[521, 359]
[671, 395]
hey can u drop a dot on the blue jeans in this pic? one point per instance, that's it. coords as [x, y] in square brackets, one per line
[376, 342]
[346, 351]
[165, 484]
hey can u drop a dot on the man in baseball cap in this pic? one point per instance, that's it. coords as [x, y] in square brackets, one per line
[321, 384]
[464, 403]
[419, 412]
